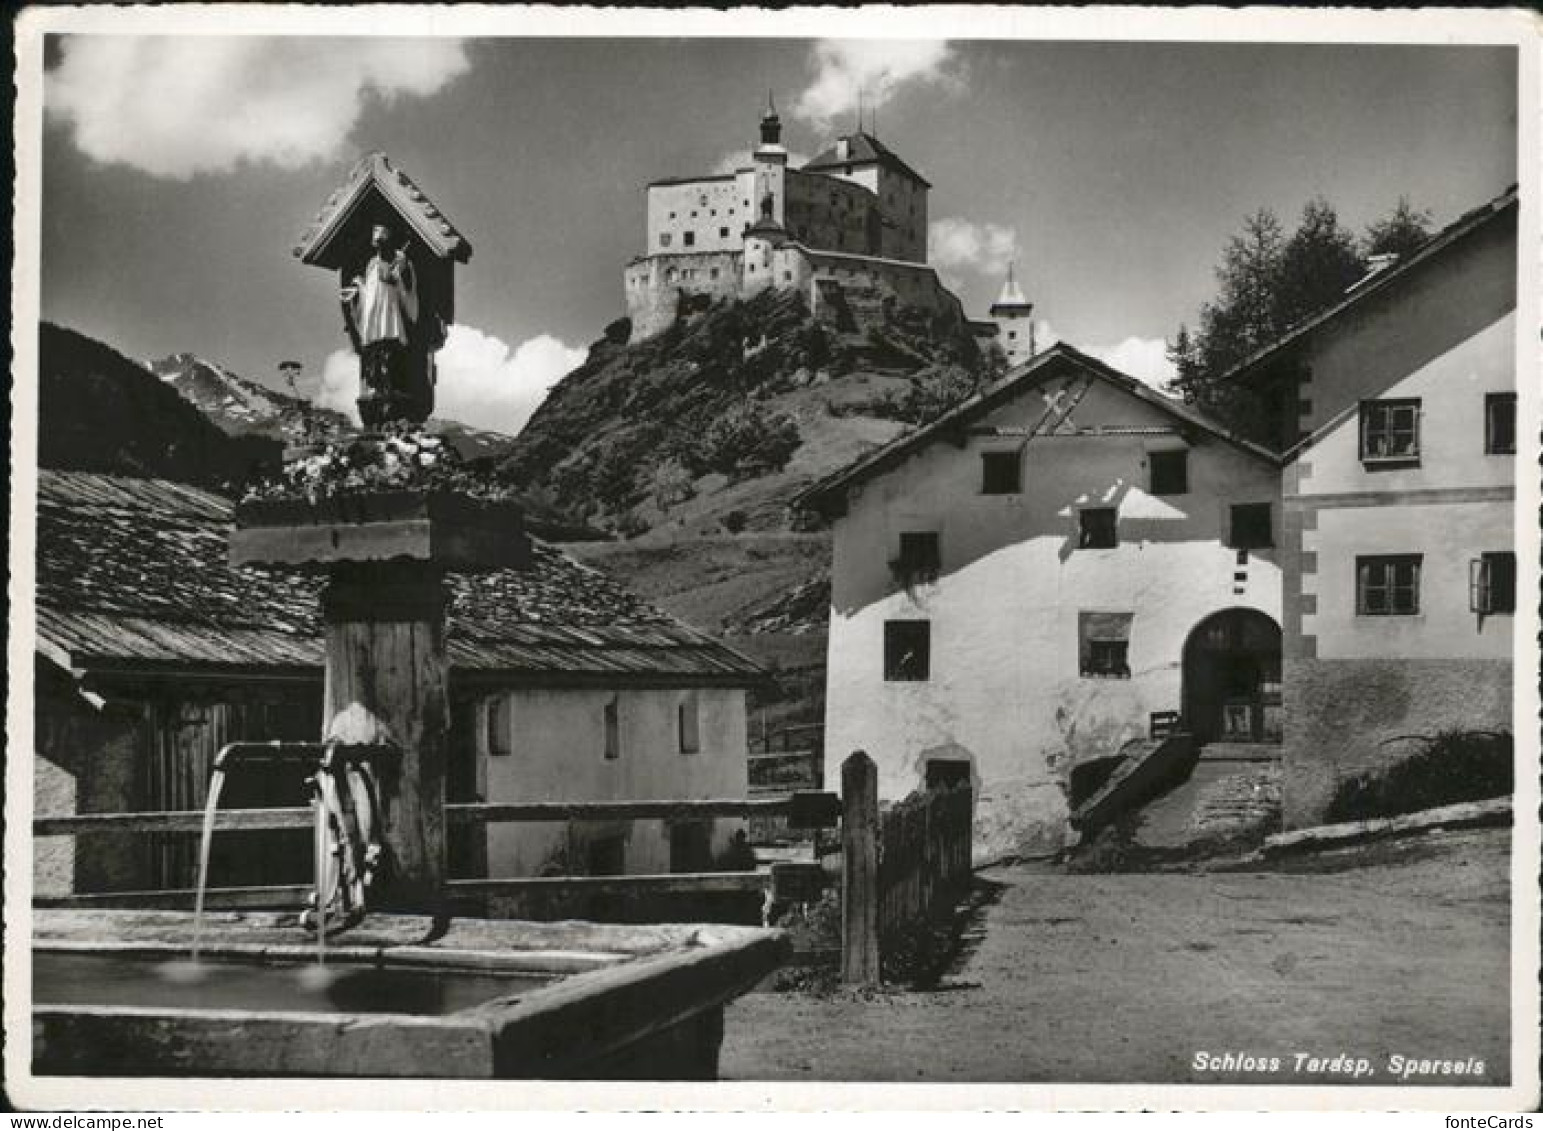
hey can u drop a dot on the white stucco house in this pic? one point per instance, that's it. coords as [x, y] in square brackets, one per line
[1019, 585]
[1397, 413]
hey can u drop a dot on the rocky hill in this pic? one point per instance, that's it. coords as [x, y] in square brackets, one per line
[99, 411]
[689, 447]
[243, 407]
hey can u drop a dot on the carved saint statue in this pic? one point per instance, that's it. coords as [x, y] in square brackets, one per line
[381, 312]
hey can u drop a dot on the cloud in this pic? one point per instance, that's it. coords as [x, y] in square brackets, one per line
[1145, 359]
[955, 244]
[740, 159]
[180, 106]
[872, 70]
[482, 382]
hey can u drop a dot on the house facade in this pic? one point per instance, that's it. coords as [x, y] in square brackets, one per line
[1396, 410]
[153, 652]
[1020, 585]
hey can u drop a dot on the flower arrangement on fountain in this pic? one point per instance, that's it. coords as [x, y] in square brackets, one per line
[398, 458]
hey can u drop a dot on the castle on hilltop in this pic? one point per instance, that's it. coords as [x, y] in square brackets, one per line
[848, 230]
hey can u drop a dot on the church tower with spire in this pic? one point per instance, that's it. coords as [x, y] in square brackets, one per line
[1014, 318]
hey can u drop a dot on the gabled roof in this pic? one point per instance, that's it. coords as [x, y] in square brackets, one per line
[1041, 367]
[863, 149]
[1464, 226]
[133, 578]
[375, 176]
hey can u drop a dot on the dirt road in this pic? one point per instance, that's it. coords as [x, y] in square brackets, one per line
[1382, 951]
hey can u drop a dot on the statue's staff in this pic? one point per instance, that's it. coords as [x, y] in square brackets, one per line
[351, 327]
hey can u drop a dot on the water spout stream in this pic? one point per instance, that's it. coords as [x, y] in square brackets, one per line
[216, 783]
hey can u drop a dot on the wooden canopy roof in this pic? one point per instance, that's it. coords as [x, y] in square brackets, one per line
[373, 187]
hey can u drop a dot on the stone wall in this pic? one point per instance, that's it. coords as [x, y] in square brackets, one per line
[1355, 711]
[654, 286]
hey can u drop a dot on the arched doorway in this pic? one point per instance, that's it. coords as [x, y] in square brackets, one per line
[1232, 678]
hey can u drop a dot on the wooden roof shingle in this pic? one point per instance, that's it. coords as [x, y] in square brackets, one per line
[133, 576]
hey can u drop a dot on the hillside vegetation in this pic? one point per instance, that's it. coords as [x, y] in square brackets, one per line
[689, 447]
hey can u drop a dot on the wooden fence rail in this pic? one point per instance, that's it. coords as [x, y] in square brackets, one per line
[817, 806]
[900, 867]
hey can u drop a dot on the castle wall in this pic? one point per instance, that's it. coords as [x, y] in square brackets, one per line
[910, 284]
[706, 214]
[832, 213]
[654, 285]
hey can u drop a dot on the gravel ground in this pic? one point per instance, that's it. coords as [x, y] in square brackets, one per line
[1390, 949]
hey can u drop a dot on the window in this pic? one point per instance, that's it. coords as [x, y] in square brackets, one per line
[1012, 334]
[500, 733]
[1103, 645]
[1251, 527]
[1169, 472]
[1390, 431]
[1500, 424]
[907, 649]
[688, 725]
[689, 239]
[664, 239]
[691, 846]
[606, 856]
[1387, 585]
[713, 273]
[919, 558]
[999, 473]
[723, 233]
[1098, 530]
[612, 717]
[1492, 583]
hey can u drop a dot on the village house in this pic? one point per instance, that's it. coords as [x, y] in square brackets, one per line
[152, 652]
[1018, 586]
[1395, 409]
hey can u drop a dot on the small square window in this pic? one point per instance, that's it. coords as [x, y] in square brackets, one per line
[1492, 583]
[1388, 585]
[1251, 527]
[723, 233]
[907, 650]
[1169, 472]
[999, 473]
[1390, 431]
[919, 558]
[1097, 529]
[1103, 645]
[1500, 424]
[664, 239]
[689, 239]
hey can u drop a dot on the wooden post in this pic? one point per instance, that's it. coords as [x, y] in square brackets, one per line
[859, 871]
[387, 686]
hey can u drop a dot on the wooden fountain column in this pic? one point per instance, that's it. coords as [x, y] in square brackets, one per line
[387, 676]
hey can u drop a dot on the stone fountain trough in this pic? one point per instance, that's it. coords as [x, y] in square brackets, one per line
[114, 995]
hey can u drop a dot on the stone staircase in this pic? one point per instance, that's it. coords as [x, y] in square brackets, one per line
[1233, 787]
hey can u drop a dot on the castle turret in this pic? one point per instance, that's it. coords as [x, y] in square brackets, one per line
[771, 125]
[768, 172]
[1014, 318]
[762, 238]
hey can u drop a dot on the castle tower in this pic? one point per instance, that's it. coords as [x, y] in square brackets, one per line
[762, 238]
[1014, 318]
[769, 164]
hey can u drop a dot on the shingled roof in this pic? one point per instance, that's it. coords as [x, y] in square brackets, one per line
[375, 176]
[133, 579]
[862, 149]
[1053, 361]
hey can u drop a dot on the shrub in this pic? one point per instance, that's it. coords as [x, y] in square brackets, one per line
[1447, 768]
[734, 521]
[744, 438]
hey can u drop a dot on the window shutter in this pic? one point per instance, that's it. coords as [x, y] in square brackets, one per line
[1478, 586]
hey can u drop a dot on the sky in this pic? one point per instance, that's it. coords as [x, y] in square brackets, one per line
[178, 173]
